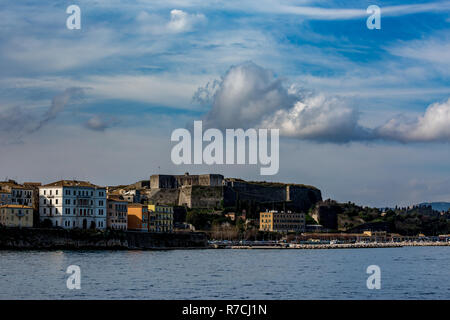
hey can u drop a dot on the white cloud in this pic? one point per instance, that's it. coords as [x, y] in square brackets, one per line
[433, 125]
[181, 21]
[164, 89]
[318, 117]
[251, 96]
[61, 53]
[433, 50]
[98, 123]
[308, 10]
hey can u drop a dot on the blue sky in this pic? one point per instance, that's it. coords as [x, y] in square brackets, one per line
[100, 103]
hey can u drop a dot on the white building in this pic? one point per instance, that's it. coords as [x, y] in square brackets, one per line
[73, 204]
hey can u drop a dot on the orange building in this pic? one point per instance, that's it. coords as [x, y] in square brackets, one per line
[137, 217]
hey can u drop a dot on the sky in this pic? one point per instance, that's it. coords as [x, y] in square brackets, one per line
[363, 114]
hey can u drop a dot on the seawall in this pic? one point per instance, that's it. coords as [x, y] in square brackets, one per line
[34, 238]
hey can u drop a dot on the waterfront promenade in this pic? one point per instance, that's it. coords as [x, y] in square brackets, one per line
[332, 245]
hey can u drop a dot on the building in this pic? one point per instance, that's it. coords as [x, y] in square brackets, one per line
[281, 221]
[138, 217]
[164, 181]
[117, 213]
[20, 194]
[231, 216]
[326, 214]
[161, 218]
[14, 215]
[5, 197]
[73, 204]
[132, 196]
[377, 236]
[34, 186]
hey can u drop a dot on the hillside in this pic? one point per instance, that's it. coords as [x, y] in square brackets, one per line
[406, 221]
[438, 206]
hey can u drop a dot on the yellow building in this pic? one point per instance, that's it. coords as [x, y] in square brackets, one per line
[161, 218]
[376, 235]
[281, 221]
[15, 215]
[137, 217]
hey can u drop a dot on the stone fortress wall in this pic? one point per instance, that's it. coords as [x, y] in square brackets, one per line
[213, 190]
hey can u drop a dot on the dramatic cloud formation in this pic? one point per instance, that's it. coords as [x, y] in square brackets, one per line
[433, 125]
[245, 95]
[320, 118]
[251, 96]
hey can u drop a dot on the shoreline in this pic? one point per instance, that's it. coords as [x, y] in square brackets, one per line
[215, 247]
[345, 246]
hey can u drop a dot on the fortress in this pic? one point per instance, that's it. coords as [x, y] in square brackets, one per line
[215, 191]
[163, 181]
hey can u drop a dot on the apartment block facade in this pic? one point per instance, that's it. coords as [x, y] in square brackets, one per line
[160, 218]
[16, 194]
[5, 197]
[73, 204]
[282, 221]
[14, 215]
[117, 213]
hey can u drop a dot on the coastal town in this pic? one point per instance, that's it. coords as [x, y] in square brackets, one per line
[231, 213]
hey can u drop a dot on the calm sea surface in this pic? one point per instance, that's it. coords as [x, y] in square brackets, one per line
[406, 273]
